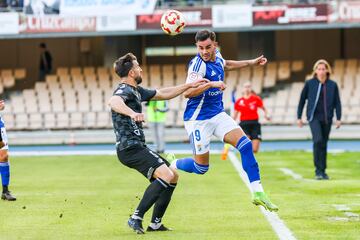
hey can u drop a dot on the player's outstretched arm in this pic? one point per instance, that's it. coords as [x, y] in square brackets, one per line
[117, 104]
[171, 92]
[193, 92]
[233, 65]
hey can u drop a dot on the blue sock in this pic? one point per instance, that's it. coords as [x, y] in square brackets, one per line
[5, 173]
[189, 165]
[248, 159]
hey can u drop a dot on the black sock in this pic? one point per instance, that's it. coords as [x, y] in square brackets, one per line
[5, 189]
[162, 203]
[151, 194]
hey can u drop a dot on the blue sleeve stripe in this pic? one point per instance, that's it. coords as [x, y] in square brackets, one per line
[197, 65]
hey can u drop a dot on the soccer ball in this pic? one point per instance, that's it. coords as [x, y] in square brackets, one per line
[172, 22]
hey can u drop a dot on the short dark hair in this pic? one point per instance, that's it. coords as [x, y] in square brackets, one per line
[124, 64]
[202, 35]
[42, 45]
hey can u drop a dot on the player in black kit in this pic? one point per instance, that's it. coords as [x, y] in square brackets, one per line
[131, 149]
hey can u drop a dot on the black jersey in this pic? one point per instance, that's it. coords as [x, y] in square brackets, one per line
[127, 131]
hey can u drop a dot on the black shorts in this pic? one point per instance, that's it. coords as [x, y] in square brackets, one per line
[142, 159]
[251, 128]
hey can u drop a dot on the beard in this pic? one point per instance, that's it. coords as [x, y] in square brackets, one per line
[138, 79]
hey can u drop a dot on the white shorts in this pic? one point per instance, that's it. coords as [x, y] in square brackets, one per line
[200, 131]
[4, 139]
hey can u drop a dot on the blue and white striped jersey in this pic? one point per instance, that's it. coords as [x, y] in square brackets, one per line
[2, 124]
[208, 104]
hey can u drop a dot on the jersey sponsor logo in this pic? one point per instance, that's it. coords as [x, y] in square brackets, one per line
[122, 86]
[214, 93]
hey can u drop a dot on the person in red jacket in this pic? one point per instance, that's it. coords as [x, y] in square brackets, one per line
[247, 107]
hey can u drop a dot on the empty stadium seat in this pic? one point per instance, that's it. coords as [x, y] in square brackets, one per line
[103, 120]
[75, 71]
[49, 120]
[35, 121]
[21, 121]
[297, 66]
[62, 120]
[8, 81]
[88, 71]
[62, 71]
[19, 73]
[76, 120]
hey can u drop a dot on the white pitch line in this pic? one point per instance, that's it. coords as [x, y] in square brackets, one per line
[278, 225]
[341, 207]
[291, 173]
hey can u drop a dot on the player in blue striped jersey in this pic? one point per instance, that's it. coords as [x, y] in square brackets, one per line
[4, 162]
[204, 115]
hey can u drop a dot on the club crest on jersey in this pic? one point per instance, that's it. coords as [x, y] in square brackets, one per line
[193, 76]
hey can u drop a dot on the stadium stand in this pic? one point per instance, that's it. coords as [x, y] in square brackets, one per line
[76, 97]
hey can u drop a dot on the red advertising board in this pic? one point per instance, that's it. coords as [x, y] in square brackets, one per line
[53, 23]
[195, 17]
[290, 14]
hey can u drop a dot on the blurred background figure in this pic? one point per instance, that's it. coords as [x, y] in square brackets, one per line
[323, 98]
[4, 160]
[156, 113]
[45, 66]
[247, 107]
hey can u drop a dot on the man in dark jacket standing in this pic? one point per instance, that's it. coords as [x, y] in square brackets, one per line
[45, 66]
[322, 95]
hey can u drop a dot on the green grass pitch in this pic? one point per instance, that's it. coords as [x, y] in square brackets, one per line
[91, 197]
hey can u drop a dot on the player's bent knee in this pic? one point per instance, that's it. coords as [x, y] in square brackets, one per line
[4, 157]
[176, 176]
[164, 173]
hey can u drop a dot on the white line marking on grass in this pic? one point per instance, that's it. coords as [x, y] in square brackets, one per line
[342, 219]
[346, 209]
[341, 207]
[291, 173]
[282, 231]
[351, 214]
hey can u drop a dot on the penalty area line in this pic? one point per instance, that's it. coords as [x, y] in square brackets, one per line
[278, 225]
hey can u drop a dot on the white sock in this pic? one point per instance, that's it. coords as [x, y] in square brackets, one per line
[155, 225]
[256, 186]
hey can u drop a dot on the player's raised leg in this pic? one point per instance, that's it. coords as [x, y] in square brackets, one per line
[242, 143]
